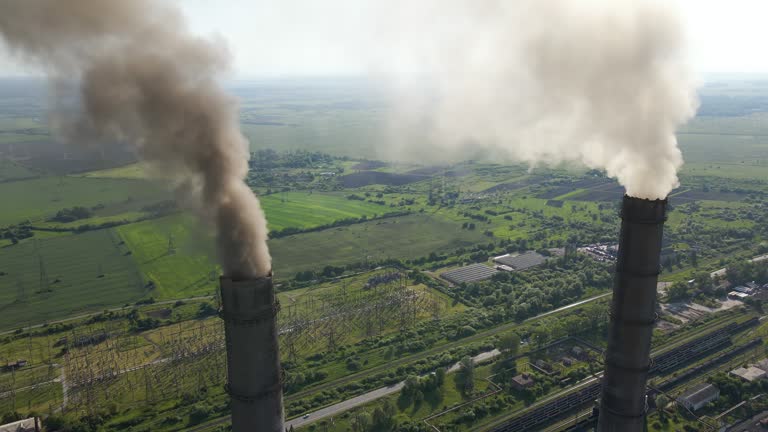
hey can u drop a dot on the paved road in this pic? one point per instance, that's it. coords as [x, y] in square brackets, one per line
[373, 395]
[344, 406]
[572, 305]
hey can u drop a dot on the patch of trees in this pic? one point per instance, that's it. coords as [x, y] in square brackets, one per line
[206, 309]
[299, 379]
[746, 271]
[161, 208]
[524, 294]
[72, 214]
[416, 389]
[139, 322]
[269, 158]
[477, 217]
[483, 408]
[285, 232]
[332, 271]
[17, 233]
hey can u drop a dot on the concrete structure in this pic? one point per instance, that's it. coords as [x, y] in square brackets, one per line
[749, 374]
[522, 261]
[698, 396]
[736, 295]
[27, 425]
[579, 352]
[523, 381]
[633, 315]
[762, 364]
[15, 365]
[249, 309]
[468, 274]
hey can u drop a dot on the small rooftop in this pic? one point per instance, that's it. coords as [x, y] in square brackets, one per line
[470, 273]
[523, 380]
[27, 425]
[749, 374]
[699, 393]
[522, 261]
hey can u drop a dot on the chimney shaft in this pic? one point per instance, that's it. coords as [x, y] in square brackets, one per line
[249, 310]
[633, 314]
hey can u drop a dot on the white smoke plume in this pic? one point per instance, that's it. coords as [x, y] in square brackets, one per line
[144, 78]
[604, 83]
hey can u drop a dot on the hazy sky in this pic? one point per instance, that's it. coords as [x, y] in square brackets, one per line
[329, 37]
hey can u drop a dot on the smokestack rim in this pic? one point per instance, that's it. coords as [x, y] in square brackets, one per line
[644, 211]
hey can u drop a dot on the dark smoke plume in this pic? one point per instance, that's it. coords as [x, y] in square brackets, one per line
[145, 79]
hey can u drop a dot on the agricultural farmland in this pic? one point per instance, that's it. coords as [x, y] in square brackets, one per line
[67, 275]
[38, 199]
[311, 209]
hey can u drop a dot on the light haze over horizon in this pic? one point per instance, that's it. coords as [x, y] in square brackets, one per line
[309, 38]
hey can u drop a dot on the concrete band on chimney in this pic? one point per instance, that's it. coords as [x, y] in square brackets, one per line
[249, 309]
[633, 315]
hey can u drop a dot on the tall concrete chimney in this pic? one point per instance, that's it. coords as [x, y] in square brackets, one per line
[633, 314]
[249, 310]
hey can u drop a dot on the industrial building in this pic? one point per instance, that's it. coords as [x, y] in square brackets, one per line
[698, 396]
[737, 295]
[522, 261]
[27, 425]
[523, 381]
[749, 374]
[470, 273]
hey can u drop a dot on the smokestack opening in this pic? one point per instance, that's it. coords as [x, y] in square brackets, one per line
[633, 315]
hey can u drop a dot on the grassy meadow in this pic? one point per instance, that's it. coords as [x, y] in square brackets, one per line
[38, 199]
[311, 209]
[53, 278]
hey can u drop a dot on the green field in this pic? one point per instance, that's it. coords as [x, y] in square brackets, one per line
[38, 199]
[184, 271]
[10, 170]
[402, 238]
[306, 210]
[132, 171]
[187, 271]
[82, 273]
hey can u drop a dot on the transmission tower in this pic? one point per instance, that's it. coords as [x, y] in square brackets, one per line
[44, 281]
[21, 292]
[171, 246]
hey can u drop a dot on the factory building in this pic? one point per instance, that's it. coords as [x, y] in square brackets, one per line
[698, 396]
[521, 262]
[749, 374]
[523, 381]
[469, 274]
[27, 425]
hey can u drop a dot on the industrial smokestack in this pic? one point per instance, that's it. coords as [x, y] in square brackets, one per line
[254, 383]
[633, 314]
